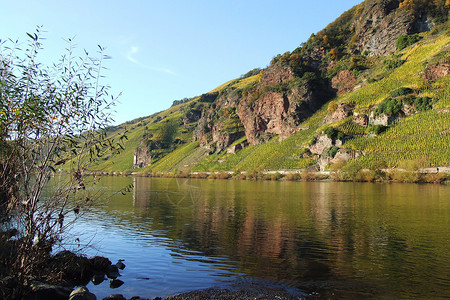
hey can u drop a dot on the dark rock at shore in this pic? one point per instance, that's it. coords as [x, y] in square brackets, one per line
[115, 283]
[82, 293]
[226, 294]
[100, 263]
[116, 297]
[43, 291]
[73, 268]
[112, 272]
[120, 264]
[98, 278]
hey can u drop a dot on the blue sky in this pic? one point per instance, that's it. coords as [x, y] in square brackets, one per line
[168, 50]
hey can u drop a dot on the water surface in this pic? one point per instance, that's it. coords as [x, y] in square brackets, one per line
[353, 240]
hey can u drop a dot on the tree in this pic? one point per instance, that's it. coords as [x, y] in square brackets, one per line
[50, 118]
[167, 133]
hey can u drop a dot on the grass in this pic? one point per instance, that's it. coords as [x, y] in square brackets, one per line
[423, 135]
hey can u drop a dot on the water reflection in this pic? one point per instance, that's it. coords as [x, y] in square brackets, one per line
[361, 240]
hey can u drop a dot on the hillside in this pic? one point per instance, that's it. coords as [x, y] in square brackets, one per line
[370, 91]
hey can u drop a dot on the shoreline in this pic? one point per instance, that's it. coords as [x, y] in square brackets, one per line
[435, 175]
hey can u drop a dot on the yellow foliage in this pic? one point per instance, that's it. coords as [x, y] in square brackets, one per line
[332, 106]
[260, 75]
[334, 53]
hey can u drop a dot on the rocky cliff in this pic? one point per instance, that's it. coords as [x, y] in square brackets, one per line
[296, 84]
[345, 62]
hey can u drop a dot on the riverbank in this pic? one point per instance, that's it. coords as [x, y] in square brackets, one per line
[422, 175]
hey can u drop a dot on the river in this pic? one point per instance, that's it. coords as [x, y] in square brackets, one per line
[327, 239]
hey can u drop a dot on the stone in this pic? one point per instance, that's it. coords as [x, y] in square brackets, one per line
[342, 111]
[100, 263]
[361, 120]
[82, 293]
[98, 278]
[43, 291]
[120, 264]
[112, 272]
[322, 143]
[435, 71]
[116, 297]
[115, 283]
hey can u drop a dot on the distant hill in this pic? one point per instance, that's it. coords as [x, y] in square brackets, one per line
[370, 91]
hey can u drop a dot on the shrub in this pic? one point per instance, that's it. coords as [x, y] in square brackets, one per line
[50, 117]
[332, 151]
[401, 92]
[404, 41]
[393, 64]
[333, 133]
[292, 177]
[423, 103]
[377, 129]
[405, 176]
[435, 177]
[389, 107]
[332, 106]
[224, 175]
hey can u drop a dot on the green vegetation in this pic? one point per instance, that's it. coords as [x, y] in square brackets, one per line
[389, 107]
[51, 117]
[404, 41]
[392, 85]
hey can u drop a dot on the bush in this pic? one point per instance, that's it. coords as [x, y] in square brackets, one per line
[405, 176]
[389, 106]
[423, 103]
[333, 133]
[377, 129]
[435, 177]
[332, 151]
[404, 41]
[292, 177]
[401, 92]
[54, 118]
[393, 64]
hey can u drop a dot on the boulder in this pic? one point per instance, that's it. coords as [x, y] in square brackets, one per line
[43, 291]
[100, 263]
[115, 283]
[116, 297]
[112, 272]
[361, 120]
[82, 293]
[141, 158]
[98, 278]
[120, 264]
[322, 143]
[435, 71]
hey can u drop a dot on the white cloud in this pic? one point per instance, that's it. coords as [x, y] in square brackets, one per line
[131, 56]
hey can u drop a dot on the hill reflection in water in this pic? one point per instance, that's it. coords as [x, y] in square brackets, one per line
[350, 239]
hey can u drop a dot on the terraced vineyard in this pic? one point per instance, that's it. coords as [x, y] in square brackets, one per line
[421, 134]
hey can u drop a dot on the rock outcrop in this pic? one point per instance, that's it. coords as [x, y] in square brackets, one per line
[341, 112]
[280, 103]
[381, 22]
[141, 158]
[344, 82]
[435, 71]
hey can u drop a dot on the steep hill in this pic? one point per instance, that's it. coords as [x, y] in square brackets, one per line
[371, 90]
